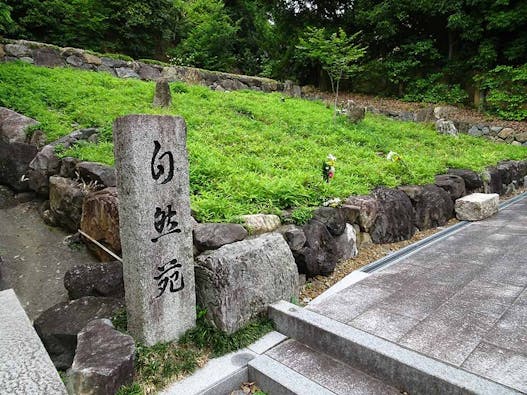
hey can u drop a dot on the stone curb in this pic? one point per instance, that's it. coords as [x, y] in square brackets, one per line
[391, 363]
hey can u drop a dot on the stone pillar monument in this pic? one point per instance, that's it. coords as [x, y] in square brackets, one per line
[156, 234]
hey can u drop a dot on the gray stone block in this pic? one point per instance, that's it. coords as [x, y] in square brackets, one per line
[25, 365]
[477, 206]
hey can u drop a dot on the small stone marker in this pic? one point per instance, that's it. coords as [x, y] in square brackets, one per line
[162, 95]
[477, 206]
[155, 226]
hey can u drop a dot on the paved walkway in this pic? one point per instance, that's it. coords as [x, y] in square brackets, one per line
[461, 300]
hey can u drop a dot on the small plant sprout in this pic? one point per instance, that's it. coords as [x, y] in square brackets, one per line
[328, 168]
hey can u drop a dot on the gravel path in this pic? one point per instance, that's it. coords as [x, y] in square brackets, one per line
[34, 258]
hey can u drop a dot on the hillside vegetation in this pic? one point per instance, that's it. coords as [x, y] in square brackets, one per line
[250, 152]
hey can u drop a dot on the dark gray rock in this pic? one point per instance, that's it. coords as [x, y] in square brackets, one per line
[104, 360]
[14, 164]
[126, 72]
[59, 325]
[351, 213]
[45, 164]
[492, 180]
[103, 175]
[68, 167]
[510, 172]
[75, 61]
[356, 113]
[320, 253]
[100, 220]
[162, 95]
[453, 184]
[95, 279]
[48, 57]
[472, 179]
[369, 208]
[432, 205]
[17, 50]
[38, 138]
[294, 236]
[149, 72]
[109, 62]
[332, 218]
[66, 197]
[213, 236]
[13, 126]
[425, 115]
[254, 272]
[395, 219]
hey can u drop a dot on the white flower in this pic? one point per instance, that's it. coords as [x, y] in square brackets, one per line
[393, 156]
[331, 157]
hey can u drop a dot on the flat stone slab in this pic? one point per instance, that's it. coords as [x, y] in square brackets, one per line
[477, 206]
[25, 367]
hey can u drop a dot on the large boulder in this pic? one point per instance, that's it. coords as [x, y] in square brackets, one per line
[102, 175]
[59, 325]
[320, 253]
[254, 273]
[48, 57]
[95, 279]
[14, 164]
[453, 184]
[433, 206]
[45, 164]
[333, 218]
[100, 220]
[66, 197]
[477, 206]
[473, 181]
[368, 209]
[104, 360]
[492, 183]
[347, 244]
[13, 126]
[214, 236]
[395, 219]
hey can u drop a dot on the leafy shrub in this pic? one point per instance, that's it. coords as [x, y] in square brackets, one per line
[433, 90]
[506, 88]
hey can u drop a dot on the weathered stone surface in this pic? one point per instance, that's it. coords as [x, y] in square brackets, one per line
[509, 172]
[95, 279]
[294, 236]
[425, 115]
[444, 112]
[320, 253]
[477, 206]
[472, 179]
[75, 60]
[351, 213]
[451, 183]
[492, 180]
[13, 126]
[75, 136]
[59, 325]
[17, 50]
[126, 72]
[433, 206]
[254, 272]
[48, 57]
[369, 207]
[24, 364]
[506, 133]
[446, 127]
[91, 59]
[103, 175]
[156, 229]
[149, 72]
[521, 137]
[68, 167]
[162, 95]
[100, 220]
[213, 236]
[395, 219]
[332, 218]
[347, 244]
[2, 52]
[261, 223]
[44, 165]
[7, 197]
[38, 139]
[65, 201]
[104, 360]
[14, 163]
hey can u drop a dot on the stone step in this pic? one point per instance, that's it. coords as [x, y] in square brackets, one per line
[25, 366]
[388, 362]
[302, 369]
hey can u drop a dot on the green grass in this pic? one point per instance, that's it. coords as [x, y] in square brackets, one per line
[250, 152]
[164, 363]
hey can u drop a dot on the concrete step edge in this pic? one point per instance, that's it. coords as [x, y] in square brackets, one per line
[397, 366]
[275, 378]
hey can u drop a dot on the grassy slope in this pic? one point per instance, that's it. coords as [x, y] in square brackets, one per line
[249, 152]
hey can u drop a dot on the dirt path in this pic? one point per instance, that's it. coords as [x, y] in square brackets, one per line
[34, 258]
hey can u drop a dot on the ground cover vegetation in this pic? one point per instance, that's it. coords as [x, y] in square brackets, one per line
[250, 152]
[449, 51]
